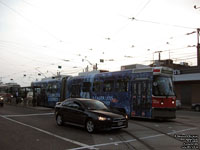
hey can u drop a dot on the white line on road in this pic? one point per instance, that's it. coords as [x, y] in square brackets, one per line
[84, 146]
[49, 133]
[27, 115]
[131, 140]
[182, 130]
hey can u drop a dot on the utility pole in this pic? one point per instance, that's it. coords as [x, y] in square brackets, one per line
[158, 56]
[198, 48]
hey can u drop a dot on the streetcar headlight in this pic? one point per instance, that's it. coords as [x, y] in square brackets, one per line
[162, 103]
[173, 102]
[1, 98]
[126, 116]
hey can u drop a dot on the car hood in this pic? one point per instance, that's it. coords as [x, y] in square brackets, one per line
[107, 113]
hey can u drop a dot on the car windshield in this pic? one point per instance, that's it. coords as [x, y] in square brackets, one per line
[162, 86]
[94, 105]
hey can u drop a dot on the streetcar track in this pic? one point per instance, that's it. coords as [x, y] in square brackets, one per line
[154, 130]
[128, 145]
[187, 124]
[139, 140]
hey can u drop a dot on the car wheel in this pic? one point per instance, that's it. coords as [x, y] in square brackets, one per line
[197, 108]
[90, 126]
[59, 120]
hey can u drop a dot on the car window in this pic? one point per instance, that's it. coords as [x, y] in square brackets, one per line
[95, 105]
[66, 103]
[73, 105]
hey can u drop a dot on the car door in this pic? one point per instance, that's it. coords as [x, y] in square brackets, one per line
[65, 111]
[77, 114]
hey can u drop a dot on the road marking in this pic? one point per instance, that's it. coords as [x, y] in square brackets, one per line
[27, 115]
[84, 146]
[131, 140]
[104, 144]
[156, 125]
[182, 130]
[49, 133]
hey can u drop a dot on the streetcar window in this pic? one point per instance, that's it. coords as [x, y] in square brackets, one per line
[149, 89]
[144, 87]
[135, 89]
[121, 86]
[54, 88]
[162, 86]
[75, 91]
[108, 86]
[44, 85]
[86, 86]
[139, 89]
[38, 90]
[96, 86]
[49, 87]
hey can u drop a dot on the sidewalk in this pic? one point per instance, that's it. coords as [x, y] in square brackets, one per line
[31, 106]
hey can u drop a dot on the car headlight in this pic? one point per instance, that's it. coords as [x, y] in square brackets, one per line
[103, 118]
[1, 98]
[126, 116]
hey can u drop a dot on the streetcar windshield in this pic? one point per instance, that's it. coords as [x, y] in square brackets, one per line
[162, 86]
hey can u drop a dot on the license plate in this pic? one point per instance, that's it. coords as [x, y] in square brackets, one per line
[120, 123]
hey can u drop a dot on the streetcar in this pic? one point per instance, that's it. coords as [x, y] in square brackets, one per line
[48, 92]
[145, 92]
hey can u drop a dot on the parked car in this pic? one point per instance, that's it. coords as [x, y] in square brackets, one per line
[90, 114]
[178, 104]
[196, 106]
[1, 101]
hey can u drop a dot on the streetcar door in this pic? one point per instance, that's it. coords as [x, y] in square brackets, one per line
[36, 98]
[139, 98]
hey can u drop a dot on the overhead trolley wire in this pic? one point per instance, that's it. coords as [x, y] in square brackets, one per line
[161, 23]
[142, 8]
[31, 22]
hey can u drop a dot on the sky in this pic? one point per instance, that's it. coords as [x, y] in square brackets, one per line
[37, 36]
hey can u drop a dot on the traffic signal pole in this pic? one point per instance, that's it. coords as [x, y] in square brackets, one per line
[198, 48]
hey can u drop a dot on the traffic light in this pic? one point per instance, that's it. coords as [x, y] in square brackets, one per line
[101, 60]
